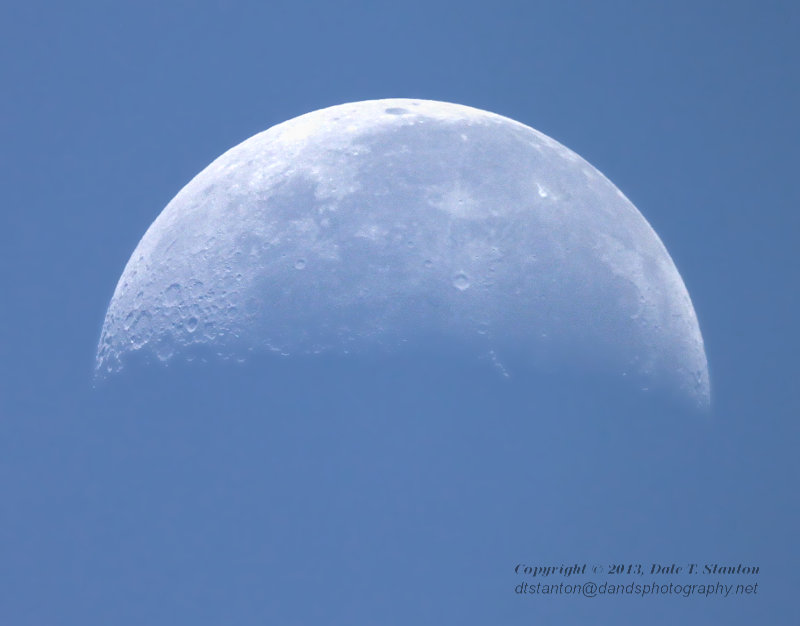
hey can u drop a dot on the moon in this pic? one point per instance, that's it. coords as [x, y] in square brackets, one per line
[386, 226]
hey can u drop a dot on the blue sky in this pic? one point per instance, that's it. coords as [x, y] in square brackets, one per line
[316, 498]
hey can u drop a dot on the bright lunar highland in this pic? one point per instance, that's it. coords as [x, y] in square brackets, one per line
[387, 226]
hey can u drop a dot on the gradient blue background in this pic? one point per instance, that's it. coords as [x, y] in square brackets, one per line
[317, 493]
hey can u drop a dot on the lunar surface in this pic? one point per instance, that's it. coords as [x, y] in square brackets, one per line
[386, 226]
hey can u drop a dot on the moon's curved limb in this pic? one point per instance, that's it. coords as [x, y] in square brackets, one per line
[379, 225]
